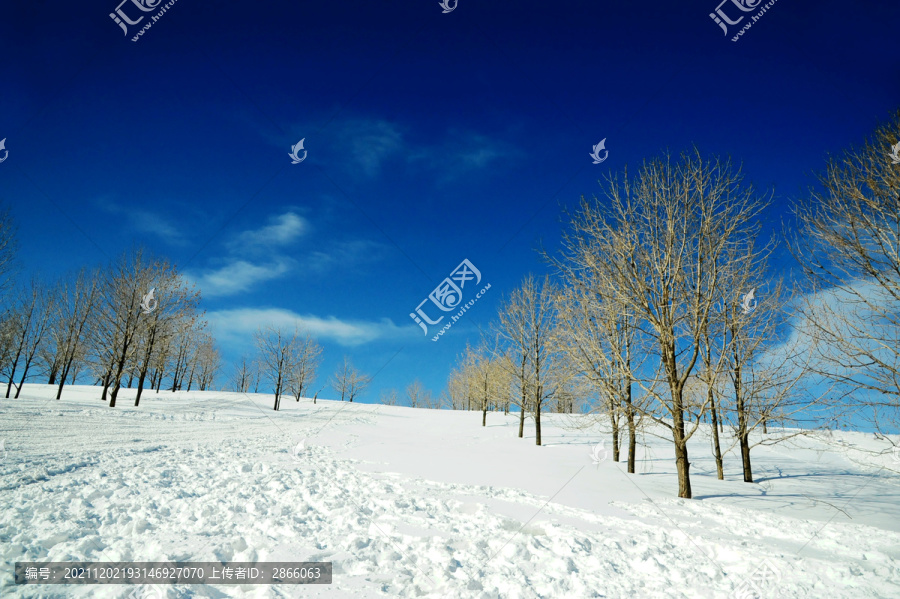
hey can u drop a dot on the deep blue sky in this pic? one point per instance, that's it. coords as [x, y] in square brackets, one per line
[431, 138]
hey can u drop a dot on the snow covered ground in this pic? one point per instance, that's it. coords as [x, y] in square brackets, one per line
[424, 503]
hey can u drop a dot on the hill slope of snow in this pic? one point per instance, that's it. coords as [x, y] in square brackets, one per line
[426, 503]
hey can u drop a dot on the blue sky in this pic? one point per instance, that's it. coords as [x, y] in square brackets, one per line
[431, 138]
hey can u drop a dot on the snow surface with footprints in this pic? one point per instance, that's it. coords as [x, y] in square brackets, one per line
[427, 503]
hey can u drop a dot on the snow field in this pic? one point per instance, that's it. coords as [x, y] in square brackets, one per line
[423, 503]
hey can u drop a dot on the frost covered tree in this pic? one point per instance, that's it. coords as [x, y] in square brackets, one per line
[28, 322]
[175, 309]
[849, 248]
[277, 350]
[348, 381]
[119, 322]
[525, 334]
[599, 339]
[245, 372]
[76, 301]
[306, 365]
[656, 238]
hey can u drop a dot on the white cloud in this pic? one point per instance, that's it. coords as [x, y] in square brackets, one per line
[282, 230]
[238, 276]
[237, 326]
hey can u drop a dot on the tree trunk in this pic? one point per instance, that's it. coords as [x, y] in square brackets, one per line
[537, 422]
[521, 421]
[615, 435]
[765, 431]
[113, 394]
[745, 456]
[632, 442]
[484, 405]
[22, 380]
[137, 399]
[12, 374]
[683, 466]
[717, 451]
[682, 462]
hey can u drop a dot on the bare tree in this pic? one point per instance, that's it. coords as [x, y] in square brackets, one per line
[598, 337]
[525, 331]
[849, 248]
[415, 393]
[76, 301]
[389, 397]
[175, 308]
[655, 239]
[209, 361]
[348, 381]
[120, 323]
[29, 325]
[277, 354]
[244, 373]
[303, 373]
[487, 375]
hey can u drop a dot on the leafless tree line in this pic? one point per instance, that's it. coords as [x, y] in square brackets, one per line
[92, 324]
[650, 323]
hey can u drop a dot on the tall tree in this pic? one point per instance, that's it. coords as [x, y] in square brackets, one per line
[277, 351]
[348, 381]
[30, 319]
[176, 306]
[120, 323]
[598, 337]
[849, 248]
[525, 330]
[76, 302]
[303, 373]
[655, 237]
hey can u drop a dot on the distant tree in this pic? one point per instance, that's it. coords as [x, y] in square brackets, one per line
[244, 372]
[76, 301]
[416, 394]
[29, 323]
[525, 333]
[277, 351]
[209, 361]
[348, 381]
[389, 397]
[303, 372]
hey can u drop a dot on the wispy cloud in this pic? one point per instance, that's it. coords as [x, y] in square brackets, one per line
[238, 276]
[282, 230]
[345, 254]
[372, 142]
[237, 326]
[463, 152]
[145, 221]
